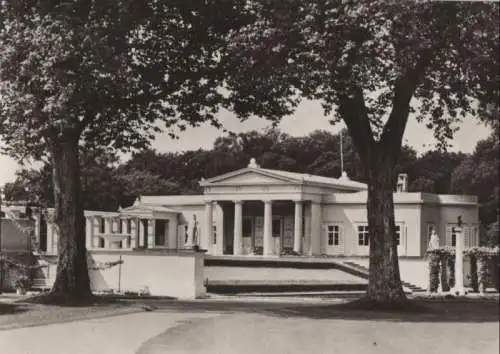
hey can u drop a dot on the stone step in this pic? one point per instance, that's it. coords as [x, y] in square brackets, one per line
[228, 287]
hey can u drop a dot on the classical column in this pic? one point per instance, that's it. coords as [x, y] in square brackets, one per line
[50, 237]
[55, 234]
[107, 230]
[96, 221]
[142, 233]
[268, 227]
[219, 224]
[151, 233]
[134, 239]
[238, 227]
[114, 225]
[36, 218]
[89, 232]
[208, 226]
[459, 261]
[297, 230]
[125, 243]
[315, 229]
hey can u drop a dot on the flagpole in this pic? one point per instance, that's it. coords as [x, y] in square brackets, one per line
[341, 154]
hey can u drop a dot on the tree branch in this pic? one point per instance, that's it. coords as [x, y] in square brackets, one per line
[352, 109]
[405, 86]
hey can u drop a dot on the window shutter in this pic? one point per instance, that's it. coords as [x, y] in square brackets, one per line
[341, 237]
[466, 231]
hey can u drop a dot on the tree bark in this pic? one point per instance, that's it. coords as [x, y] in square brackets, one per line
[384, 284]
[72, 282]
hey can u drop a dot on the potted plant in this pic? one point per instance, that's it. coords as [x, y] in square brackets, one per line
[22, 284]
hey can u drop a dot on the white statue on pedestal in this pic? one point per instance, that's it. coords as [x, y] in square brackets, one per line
[434, 241]
[192, 233]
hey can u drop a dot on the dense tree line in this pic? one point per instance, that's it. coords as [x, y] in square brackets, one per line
[109, 184]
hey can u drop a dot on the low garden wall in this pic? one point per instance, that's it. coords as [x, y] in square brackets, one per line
[144, 272]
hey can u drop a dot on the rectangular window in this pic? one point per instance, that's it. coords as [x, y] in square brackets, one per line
[453, 237]
[120, 226]
[214, 232]
[333, 232]
[363, 239]
[129, 226]
[474, 237]
[398, 235]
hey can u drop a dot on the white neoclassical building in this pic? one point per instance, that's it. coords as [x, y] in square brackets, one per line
[257, 211]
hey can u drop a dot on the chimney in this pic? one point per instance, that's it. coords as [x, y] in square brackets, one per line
[402, 185]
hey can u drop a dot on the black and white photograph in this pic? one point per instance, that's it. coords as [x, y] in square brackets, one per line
[249, 176]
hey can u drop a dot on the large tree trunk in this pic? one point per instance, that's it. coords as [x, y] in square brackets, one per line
[384, 285]
[72, 282]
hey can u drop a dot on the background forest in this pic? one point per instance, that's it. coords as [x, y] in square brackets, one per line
[109, 183]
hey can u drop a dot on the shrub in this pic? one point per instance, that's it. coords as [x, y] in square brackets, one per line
[445, 286]
[473, 273]
[258, 250]
[22, 282]
[482, 274]
[451, 274]
[288, 251]
[433, 272]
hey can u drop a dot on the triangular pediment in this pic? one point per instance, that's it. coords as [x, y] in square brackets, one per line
[248, 177]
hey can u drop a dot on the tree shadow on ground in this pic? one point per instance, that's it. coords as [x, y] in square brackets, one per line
[410, 311]
[415, 310]
[10, 309]
[54, 300]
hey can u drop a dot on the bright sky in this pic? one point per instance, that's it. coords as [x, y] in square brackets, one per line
[308, 117]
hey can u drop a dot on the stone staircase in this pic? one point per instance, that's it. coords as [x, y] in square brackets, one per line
[272, 276]
[413, 288]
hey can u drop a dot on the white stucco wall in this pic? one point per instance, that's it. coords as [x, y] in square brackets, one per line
[349, 216]
[179, 275]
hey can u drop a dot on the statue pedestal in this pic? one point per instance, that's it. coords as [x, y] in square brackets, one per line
[459, 289]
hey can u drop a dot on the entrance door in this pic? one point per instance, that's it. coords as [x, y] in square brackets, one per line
[248, 232]
[259, 235]
[277, 232]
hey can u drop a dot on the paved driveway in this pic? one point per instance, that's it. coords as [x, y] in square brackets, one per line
[111, 335]
[256, 333]
[225, 328]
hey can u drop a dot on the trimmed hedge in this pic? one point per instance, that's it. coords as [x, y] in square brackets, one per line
[433, 272]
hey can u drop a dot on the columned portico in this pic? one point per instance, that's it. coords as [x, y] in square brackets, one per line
[297, 230]
[238, 227]
[268, 219]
